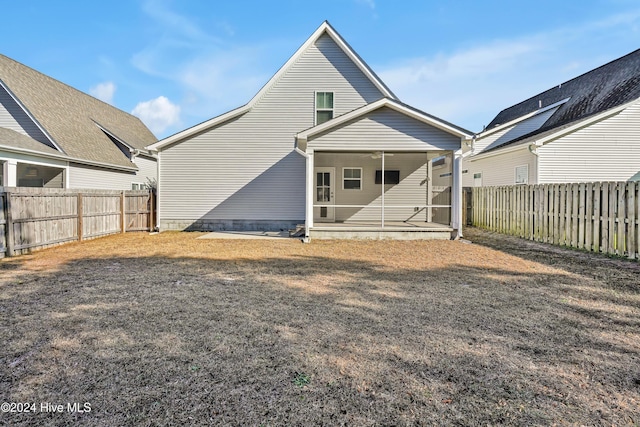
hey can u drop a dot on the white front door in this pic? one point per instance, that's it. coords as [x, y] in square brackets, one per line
[324, 183]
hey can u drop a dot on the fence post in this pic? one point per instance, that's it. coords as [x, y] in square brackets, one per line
[151, 211]
[9, 225]
[631, 220]
[122, 213]
[79, 211]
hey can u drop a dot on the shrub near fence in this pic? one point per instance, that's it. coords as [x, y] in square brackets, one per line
[32, 218]
[598, 217]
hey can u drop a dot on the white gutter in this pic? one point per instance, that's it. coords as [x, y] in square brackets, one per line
[497, 152]
[66, 158]
[302, 153]
[560, 133]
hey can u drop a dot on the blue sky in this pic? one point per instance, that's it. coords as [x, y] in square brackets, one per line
[178, 63]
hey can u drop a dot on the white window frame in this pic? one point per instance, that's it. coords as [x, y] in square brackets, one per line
[352, 179]
[477, 176]
[526, 176]
[315, 105]
[141, 186]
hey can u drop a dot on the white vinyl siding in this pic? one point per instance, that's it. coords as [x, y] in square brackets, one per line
[83, 176]
[500, 169]
[246, 169]
[605, 151]
[147, 169]
[386, 129]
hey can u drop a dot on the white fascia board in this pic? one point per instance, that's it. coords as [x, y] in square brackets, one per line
[324, 27]
[358, 61]
[381, 103]
[130, 147]
[158, 146]
[553, 136]
[519, 119]
[66, 158]
[498, 152]
[28, 113]
[427, 119]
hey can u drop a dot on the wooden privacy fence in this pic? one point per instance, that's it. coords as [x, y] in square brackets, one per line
[599, 217]
[32, 218]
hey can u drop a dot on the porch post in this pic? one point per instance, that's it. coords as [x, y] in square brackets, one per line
[456, 199]
[11, 173]
[382, 213]
[308, 222]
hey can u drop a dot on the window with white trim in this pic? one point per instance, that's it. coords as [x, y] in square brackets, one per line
[522, 175]
[352, 178]
[324, 107]
[477, 179]
[138, 186]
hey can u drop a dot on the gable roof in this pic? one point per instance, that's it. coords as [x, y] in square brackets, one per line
[609, 86]
[11, 139]
[69, 117]
[324, 28]
[386, 103]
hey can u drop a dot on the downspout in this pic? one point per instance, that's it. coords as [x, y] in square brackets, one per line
[308, 204]
[157, 228]
[456, 214]
[533, 149]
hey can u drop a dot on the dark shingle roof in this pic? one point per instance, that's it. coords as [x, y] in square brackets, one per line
[598, 90]
[68, 115]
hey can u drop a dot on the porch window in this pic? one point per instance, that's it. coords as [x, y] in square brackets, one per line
[324, 107]
[352, 178]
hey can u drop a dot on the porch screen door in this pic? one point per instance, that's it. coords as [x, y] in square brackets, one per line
[324, 195]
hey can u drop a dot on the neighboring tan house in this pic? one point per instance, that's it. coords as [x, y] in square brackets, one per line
[52, 135]
[584, 130]
[324, 143]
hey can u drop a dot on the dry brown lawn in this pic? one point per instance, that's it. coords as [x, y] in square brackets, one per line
[169, 330]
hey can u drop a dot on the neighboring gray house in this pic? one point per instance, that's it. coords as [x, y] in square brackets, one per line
[52, 135]
[583, 130]
[324, 143]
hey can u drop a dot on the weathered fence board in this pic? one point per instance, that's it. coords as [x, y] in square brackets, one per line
[600, 217]
[33, 218]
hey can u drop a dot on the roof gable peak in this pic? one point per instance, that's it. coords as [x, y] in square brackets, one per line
[325, 28]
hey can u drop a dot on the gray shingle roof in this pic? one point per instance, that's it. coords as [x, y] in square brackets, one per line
[596, 91]
[15, 139]
[68, 115]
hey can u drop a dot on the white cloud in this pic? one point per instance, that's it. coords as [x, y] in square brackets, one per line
[470, 86]
[158, 114]
[104, 91]
[370, 3]
[213, 75]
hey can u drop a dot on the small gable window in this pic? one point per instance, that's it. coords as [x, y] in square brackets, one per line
[324, 107]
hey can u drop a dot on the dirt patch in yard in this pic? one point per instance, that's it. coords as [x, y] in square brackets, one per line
[169, 330]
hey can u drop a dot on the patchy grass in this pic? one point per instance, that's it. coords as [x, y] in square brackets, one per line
[170, 330]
